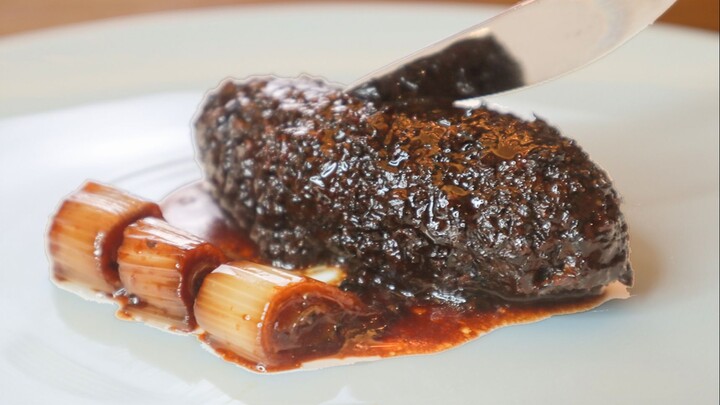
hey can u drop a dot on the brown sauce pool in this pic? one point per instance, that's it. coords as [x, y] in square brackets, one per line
[420, 330]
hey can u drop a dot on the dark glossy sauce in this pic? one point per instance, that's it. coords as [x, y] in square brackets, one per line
[443, 205]
[469, 68]
[420, 329]
[193, 209]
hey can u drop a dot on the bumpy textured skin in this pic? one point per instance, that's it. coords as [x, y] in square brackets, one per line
[438, 205]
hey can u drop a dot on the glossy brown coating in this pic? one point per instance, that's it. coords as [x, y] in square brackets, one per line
[86, 231]
[193, 210]
[161, 268]
[355, 332]
[469, 68]
[313, 320]
[436, 205]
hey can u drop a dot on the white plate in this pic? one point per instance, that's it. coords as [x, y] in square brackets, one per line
[112, 101]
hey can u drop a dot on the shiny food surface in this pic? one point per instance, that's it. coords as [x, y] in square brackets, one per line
[419, 205]
[471, 67]
[671, 226]
[307, 320]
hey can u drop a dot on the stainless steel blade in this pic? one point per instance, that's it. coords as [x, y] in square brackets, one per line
[544, 38]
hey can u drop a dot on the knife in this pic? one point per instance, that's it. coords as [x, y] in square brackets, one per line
[530, 43]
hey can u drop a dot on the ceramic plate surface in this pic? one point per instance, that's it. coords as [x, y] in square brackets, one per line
[112, 101]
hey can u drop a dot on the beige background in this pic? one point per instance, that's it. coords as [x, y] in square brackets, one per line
[27, 15]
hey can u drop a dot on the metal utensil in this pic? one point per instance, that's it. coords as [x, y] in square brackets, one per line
[532, 42]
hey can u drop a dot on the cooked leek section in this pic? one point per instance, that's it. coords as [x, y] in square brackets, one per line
[86, 232]
[161, 268]
[271, 318]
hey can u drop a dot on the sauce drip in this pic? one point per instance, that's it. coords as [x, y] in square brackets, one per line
[418, 329]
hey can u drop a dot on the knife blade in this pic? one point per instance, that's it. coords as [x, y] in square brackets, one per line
[530, 43]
